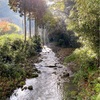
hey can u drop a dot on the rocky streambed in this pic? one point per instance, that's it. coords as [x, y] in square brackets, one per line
[51, 82]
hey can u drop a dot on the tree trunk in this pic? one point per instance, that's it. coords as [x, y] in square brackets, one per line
[25, 24]
[30, 24]
[36, 28]
[42, 35]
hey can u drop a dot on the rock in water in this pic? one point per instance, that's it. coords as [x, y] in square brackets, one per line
[24, 88]
[34, 75]
[30, 87]
[51, 66]
[65, 75]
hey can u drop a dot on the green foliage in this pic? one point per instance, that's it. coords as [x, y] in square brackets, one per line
[97, 87]
[10, 37]
[58, 5]
[14, 51]
[83, 54]
[85, 59]
[64, 39]
[70, 58]
[87, 72]
[49, 21]
[11, 71]
[84, 20]
[98, 97]
[29, 49]
[38, 46]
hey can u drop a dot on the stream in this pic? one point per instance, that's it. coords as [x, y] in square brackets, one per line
[49, 84]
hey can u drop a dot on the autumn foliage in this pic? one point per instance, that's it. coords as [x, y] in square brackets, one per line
[4, 27]
[8, 27]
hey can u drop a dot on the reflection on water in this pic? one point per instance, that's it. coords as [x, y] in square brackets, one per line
[48, 86]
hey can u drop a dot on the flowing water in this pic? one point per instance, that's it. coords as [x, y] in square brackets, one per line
[49, 84]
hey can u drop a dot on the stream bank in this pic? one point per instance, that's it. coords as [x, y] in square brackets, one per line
[85, 83]
[49, 85]
[8, 85]
[62, 53]
[70, 88]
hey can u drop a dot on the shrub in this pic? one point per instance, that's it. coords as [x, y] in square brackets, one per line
[87, 72]
[64, 38]
[17, 44]
[11, 71]
[37, 44]
[14, 51]
[29, 49]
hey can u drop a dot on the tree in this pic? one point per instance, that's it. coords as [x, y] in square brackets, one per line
[7, 27]
[30, 8]
[84, 20]
[19, 6]
[4, 27]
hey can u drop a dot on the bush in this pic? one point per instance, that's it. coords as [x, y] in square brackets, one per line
[11, 71]
[17, 45]
[37, 44]
[29, 49]
[87, 72]
[64, 39]
[14, 51]
[83, 56]
[85, 59]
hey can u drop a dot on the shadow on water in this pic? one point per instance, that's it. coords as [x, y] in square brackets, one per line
[49, 84]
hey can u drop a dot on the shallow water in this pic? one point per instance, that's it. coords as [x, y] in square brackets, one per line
[49, 84]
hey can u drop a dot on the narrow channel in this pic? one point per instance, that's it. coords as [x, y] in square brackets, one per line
[49, 84]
